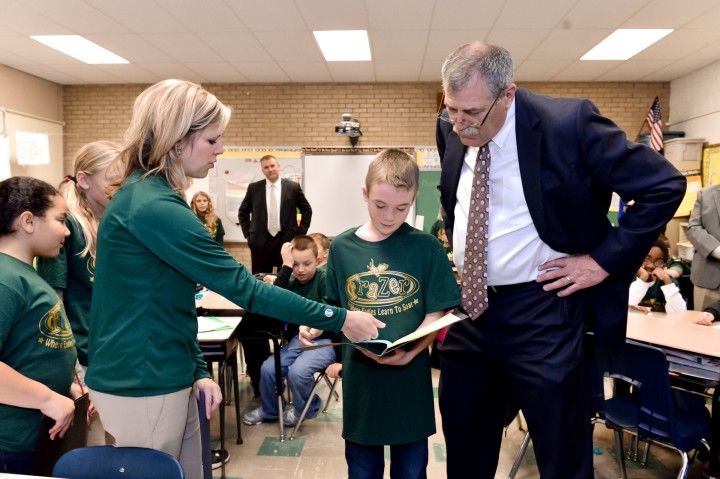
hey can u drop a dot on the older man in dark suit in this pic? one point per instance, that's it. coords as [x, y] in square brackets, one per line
[532, 228]
[268, 216]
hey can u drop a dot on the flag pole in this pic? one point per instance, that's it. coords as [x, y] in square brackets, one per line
[637, 137]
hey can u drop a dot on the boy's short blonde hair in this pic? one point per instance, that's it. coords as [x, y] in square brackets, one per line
[394, 167]
[305, 243]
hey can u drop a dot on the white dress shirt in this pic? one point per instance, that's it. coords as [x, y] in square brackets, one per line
[515, 249]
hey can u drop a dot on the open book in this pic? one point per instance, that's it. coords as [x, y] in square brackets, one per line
[381, 347]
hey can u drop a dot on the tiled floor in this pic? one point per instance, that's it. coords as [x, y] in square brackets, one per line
[318, 451]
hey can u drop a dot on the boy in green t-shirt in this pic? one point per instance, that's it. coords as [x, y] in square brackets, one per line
[402, 276]
[300, 259]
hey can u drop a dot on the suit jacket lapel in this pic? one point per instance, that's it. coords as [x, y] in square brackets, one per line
[528, 139]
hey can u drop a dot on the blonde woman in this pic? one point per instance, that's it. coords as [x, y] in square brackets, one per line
[202, 206]
[72, 272]
[146, 369]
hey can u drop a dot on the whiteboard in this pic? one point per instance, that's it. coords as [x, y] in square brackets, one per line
[333, 186]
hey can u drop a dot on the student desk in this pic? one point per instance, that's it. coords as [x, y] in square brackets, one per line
[219, 344]
[209, 301]
[702, 343]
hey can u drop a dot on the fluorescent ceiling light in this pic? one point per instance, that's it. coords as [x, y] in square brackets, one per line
[80, 48]
[344, 45]
[625, 43]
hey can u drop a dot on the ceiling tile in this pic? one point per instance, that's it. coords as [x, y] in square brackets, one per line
[236, 46]
[217, 72]
[183, 47]
[291, 46]
[524, 14]
[398, 71]
[262, 72]
[352, 71]
[273, 16]
[396, 16]
[390, 45]
[465, 14]
[543, 70]
[585, 70]
[307, 72]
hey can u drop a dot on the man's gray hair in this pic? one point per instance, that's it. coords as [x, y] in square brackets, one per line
[472, 60]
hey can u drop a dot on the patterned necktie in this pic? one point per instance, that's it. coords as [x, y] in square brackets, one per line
[474, 287]
[273, 222]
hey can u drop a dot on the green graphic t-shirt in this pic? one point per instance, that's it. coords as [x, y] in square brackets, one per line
[398, 280]
[75, 275]
[36, 341]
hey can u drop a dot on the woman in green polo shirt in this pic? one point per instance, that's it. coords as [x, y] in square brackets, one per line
[152, 251]
[37, 347]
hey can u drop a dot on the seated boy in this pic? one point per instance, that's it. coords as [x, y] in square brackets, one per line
[323, 244]
[403, 276]
[654, 287]
[300, 259]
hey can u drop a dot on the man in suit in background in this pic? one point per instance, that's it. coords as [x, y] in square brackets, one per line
[703, 231]
[268, 216]
[551, 261]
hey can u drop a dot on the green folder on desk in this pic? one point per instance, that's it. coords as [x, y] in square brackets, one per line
[207, 324]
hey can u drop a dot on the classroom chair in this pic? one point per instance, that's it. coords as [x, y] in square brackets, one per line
[321, 376]
[110, 462]
[658, 417]
[205, 440]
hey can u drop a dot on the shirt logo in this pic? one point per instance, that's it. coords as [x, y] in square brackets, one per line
[328, 313]
[55, 329]
[379, 287]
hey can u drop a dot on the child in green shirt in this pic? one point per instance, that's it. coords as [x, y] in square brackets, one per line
[72, 272]
[402, 276]
[37, 347]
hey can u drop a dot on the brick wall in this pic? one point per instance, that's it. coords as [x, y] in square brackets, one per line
[289, 114]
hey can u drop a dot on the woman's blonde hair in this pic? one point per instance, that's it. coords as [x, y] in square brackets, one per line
[209, 218]
[91, 159]
[164, 114]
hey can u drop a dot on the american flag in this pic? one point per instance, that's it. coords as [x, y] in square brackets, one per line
[655, 124]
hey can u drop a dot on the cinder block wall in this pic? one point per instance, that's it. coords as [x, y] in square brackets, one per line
[289, 114]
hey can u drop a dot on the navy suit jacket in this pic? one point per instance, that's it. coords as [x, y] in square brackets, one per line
[253, 213]
[571, 160]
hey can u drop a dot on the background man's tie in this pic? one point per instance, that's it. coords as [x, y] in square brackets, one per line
[273, 221]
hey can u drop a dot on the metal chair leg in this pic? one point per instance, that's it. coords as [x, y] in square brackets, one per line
[318, 380]
[519, 456]
[331, 385]
[620, 453]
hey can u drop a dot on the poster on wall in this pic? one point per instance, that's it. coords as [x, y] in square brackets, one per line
[235, 169]
[4, 157]
[711, 165]
[32, 148]
[427, 157]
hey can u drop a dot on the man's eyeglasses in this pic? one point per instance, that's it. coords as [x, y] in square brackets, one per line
[449, 118]
[657, 263]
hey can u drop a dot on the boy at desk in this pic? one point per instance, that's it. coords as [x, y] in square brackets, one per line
[299, 258]
[654, 287]
[402, 275]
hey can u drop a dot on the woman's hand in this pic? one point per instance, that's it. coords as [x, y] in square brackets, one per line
[213, 395]
[361, 326]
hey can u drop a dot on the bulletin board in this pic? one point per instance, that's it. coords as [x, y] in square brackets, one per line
[235, 169]
[12, 123]
[428, 200]
[711, 165]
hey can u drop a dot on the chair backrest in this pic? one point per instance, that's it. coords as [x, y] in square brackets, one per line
[205, 437]
[110, 462]
[645, 367]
